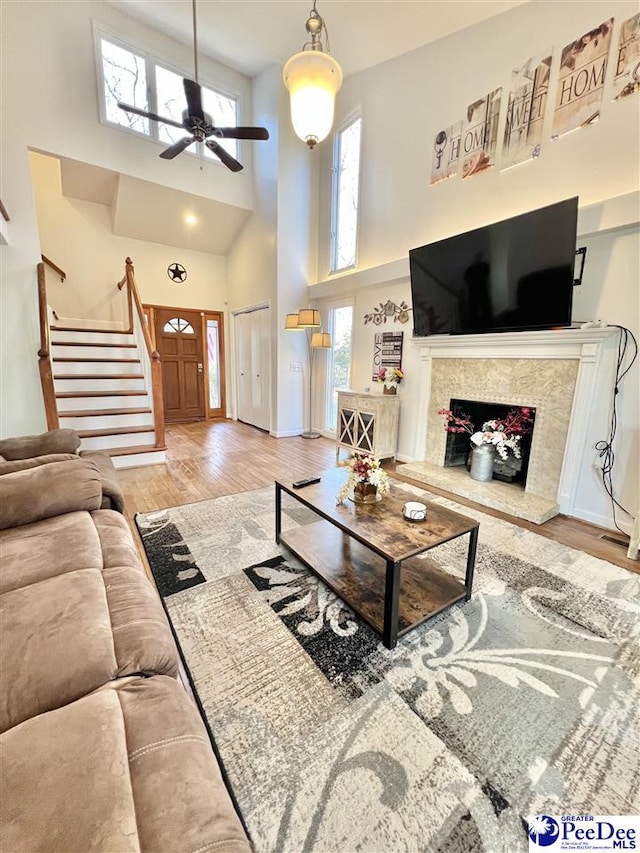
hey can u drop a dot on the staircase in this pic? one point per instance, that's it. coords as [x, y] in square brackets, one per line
[100, 392]
[105, 384]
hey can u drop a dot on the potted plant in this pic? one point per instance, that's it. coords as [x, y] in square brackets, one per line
[391, 377]
[501, 435]
[367, 480]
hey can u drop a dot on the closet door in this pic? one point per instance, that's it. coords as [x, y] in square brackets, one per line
[244, 367]
[253, 359]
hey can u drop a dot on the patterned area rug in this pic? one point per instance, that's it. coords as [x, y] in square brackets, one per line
[522, 701]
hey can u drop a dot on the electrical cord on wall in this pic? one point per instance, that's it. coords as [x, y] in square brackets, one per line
[605, 447]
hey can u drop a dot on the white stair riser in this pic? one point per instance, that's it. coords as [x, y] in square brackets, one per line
[89, 368]
[60, 351]
[86, 337]
[104, 442]
[83, 404]
[98, 385]
[106, 421]
[134, 460]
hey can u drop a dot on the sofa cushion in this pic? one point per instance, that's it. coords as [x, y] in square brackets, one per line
[49, 490]
[44, 549]
[23, 464]
[66, 636]
[26, 446]
[128, 768]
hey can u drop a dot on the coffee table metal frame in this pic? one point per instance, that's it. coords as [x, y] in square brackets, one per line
[393, 573]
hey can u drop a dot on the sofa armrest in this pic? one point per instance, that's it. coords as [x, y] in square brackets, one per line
[54, 489]
[112, 497]
[26, 446]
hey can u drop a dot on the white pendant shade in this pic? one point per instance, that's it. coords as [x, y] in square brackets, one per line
[312, 78]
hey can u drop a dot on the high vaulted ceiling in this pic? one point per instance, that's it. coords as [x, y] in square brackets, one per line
[250, 35]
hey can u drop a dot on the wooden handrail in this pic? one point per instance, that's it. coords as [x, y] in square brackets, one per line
[44, 355]
[54, 267]
[133, 298]
[3, 212]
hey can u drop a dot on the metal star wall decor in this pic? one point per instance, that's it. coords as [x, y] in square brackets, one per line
[177, 272]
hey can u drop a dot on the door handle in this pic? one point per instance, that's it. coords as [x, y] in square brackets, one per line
[200, 368]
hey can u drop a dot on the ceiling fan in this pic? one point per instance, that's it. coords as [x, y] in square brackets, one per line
[197, 122]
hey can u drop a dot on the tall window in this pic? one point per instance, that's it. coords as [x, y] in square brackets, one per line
[346, 184]
[339, 361]
[138, 80]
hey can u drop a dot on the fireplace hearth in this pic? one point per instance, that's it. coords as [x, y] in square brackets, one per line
[458, 447]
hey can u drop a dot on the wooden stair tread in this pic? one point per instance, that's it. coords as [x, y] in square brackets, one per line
[125, 451]
[65, 394]
[91, 331]
[91, 344]
[98, 433]
[99, 376]
[97, 360]
[101, 413]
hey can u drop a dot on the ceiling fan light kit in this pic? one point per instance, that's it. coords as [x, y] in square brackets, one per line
[198, 123]
[313, 78]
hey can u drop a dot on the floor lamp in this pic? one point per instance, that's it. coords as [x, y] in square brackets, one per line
[307, 320]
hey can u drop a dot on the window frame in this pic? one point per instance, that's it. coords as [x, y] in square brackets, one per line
[351, 119]
[330, 308]
[151, 60]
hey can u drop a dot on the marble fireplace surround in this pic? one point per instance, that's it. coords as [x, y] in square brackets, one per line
[553, 371]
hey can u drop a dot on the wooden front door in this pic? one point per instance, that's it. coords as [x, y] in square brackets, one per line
[178, 338]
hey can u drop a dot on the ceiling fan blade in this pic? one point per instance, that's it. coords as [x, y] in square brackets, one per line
[145, 114]
[229, 161]
[177, 148]
[241, 132]
[193, 93]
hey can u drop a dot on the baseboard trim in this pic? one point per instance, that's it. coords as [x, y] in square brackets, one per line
[287, 433]
[605, 520]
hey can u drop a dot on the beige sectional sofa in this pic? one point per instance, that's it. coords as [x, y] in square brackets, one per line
[102, 748]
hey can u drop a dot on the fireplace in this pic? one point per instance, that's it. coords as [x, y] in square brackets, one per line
[458, 448]
[560, 373]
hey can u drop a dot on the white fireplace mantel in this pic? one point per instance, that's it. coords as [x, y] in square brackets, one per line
[585, 345]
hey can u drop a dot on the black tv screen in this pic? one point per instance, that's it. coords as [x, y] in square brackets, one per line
[511, 275]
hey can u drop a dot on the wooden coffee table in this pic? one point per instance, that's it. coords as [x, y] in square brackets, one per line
[366, 553]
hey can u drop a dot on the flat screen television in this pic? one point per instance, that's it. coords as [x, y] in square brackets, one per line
[511, 275]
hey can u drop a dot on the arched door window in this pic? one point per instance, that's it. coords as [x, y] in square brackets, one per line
[178, 324]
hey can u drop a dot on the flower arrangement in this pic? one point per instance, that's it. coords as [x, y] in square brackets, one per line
[390, 375]
[504, 434]
[364, 469]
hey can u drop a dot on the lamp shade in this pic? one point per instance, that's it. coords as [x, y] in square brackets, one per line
[309, 318]
[291, 322]
[321, 340]
[312, 78]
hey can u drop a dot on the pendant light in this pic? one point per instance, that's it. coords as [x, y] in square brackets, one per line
[312, 78]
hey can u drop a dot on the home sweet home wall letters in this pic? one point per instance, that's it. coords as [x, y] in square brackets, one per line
[578, 100]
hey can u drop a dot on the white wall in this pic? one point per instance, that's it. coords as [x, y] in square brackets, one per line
[77, 235]
[274, 257]
[49, 103]
[404, 103]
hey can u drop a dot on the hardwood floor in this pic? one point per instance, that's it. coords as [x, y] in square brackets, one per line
[214, 458]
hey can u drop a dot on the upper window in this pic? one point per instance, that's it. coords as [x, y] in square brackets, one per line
[178, 324]
[346, 184]
[138, 80]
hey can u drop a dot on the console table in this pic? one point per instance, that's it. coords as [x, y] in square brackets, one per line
[368, 423]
